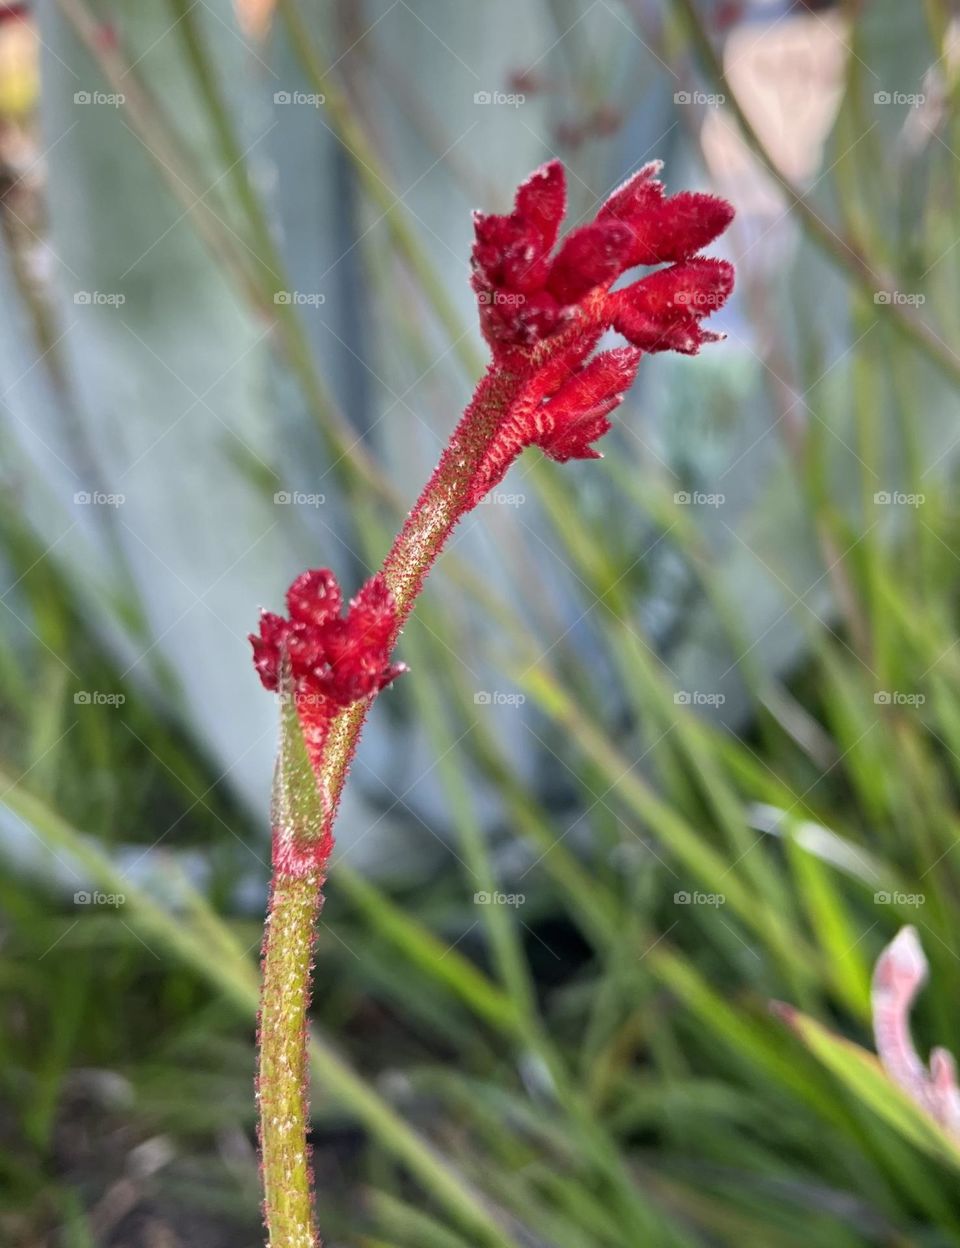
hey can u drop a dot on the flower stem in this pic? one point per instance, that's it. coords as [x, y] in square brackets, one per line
[282, 1077]
[296, 899]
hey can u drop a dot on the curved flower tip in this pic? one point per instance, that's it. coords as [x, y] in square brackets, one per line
[334, 659]
[900, 972]
[527, 295]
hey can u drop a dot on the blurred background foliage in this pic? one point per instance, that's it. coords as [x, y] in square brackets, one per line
[691, 714]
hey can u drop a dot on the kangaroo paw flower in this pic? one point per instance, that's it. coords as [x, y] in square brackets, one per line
[900, 973]
[334, 659]
[544, 305]
[527, 296]
[543, 311]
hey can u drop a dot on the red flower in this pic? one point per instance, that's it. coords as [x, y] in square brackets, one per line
[544, 311]
[527, 295]
[334, 659]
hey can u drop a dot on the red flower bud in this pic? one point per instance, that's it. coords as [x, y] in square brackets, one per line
[577, 414]
[334, 660]
[589, 256]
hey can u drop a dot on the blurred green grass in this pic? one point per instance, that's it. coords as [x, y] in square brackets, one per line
[597, 1066]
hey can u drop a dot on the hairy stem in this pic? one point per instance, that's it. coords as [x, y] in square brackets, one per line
[420, 541]
[282, 1075]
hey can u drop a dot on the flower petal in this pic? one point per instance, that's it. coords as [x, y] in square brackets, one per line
[314, 597]
[588, 257]
[542, 200]
[663, 311]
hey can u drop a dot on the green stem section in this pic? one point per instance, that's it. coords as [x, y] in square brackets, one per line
[282, 1075]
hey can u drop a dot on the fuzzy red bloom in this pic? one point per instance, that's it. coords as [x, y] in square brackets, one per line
[334, 659]
[543, 312]
[576, 416]
[527, 296]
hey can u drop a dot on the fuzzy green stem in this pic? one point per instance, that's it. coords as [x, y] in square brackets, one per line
[282, 1075]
